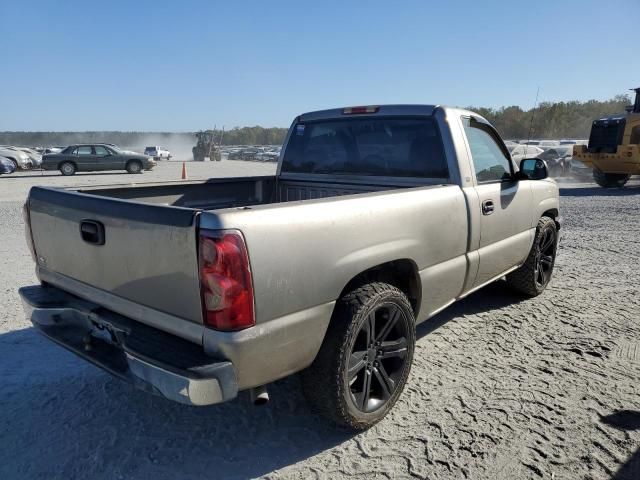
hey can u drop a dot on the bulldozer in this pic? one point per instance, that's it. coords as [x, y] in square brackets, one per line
[613, 151]
[206, 146]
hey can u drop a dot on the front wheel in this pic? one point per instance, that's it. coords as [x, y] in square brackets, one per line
[134, 167]
[365, 359]
[610, 180]
[534, 275]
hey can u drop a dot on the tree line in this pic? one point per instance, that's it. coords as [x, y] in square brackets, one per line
[550, 120]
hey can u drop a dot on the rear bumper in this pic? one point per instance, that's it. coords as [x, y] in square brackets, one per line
[149, 359]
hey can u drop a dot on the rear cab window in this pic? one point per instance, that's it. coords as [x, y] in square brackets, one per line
[382, 146]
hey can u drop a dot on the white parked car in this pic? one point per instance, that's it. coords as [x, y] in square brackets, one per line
[519, 152]
[158, 153]
[36, 157]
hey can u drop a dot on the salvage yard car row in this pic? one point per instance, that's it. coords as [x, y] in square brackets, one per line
[258, 153]
[105, 156]
[21, 157]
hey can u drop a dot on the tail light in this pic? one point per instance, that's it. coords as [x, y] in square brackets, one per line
[28, 235]
[225, 280]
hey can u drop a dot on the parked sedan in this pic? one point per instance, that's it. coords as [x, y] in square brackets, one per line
[20, 159]
[558, 159]
[6, 165]
[36, 157]
[95, 158]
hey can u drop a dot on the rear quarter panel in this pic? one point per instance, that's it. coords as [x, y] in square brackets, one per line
[304, 253]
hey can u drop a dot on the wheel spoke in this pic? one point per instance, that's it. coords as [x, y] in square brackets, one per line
[386, 383]
[356, 364]
[395, 348]
[540, 275]
[363, 397]
[394, 315]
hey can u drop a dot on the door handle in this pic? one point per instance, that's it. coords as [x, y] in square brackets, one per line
[487, 207]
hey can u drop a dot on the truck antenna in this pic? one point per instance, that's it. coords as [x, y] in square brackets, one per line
[221, 136]
[533, 114]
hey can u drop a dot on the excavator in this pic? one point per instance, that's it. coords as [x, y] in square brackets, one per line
[206, 146]
[613, 151]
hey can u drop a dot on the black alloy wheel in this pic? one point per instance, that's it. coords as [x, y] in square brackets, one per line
[378, 358]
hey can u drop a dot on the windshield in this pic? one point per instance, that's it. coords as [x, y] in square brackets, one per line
[565, 151]
[385, 146]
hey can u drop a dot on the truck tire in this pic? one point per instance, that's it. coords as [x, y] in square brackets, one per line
[134, 166]
[534, 275]
[365, 358]
[67, 169]
[610, 180]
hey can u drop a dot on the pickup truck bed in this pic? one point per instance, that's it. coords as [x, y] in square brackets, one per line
[216, 194]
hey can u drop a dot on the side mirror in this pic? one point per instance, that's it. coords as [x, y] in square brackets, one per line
[534, 168]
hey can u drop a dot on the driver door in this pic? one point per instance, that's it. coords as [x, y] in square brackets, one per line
[506, 214]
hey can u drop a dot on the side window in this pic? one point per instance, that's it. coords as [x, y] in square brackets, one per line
[489, 160]
[635, 135]
[101, 151]
[84, 150]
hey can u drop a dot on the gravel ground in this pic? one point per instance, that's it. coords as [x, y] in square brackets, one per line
[501, 388]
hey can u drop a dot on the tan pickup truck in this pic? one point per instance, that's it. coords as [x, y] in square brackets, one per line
[377, 219]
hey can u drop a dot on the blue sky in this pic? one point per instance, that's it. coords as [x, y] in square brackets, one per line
[182, 66]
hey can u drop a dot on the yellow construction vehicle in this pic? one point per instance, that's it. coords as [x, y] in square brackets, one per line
[614, 147]
[208, 146]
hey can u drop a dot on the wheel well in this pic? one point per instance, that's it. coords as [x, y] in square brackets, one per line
[402, 274]
[553, 213]
[67, 161]
[131, 160]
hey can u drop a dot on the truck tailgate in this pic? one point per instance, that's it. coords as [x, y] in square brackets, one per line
[140, 252]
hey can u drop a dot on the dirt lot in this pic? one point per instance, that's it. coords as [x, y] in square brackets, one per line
[501, 388]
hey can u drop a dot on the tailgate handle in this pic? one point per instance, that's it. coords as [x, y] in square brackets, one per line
[92, 232]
